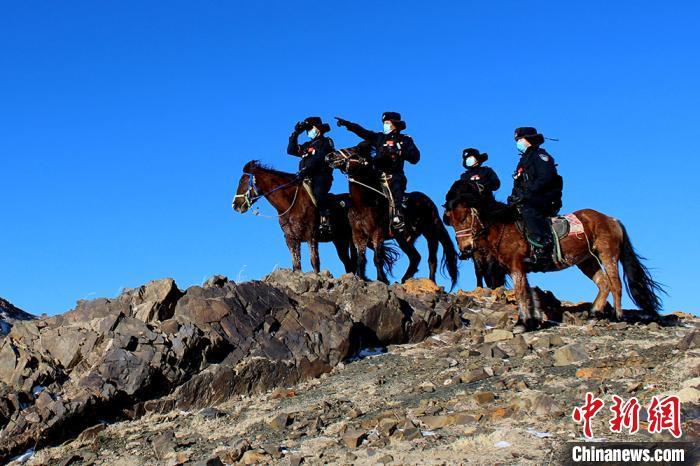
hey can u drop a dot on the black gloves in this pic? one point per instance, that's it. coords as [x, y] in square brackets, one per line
[341, 122]
[515, 199]
[300, 127]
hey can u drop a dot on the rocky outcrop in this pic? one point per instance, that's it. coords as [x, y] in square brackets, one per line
[480, 394]
[9, 314]
[156, 348]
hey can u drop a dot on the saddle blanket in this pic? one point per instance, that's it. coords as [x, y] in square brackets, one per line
[566, 225]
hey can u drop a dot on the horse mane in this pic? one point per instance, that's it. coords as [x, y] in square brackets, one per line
[493, 212]
[258, 165]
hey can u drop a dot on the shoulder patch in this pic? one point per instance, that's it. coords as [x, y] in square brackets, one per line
[544, 157]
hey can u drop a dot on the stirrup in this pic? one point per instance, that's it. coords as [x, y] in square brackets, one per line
[325, 225]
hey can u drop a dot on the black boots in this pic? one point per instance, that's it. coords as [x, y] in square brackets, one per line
[541, 258]
[325, 228]
[397, 223]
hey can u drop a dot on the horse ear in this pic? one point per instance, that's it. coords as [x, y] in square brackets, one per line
[248, 167]
[447, 218]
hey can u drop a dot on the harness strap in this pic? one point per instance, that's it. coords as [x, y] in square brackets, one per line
[353, 180]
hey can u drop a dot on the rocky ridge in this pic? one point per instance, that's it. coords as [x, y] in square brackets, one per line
[9, 314]
[283, 371]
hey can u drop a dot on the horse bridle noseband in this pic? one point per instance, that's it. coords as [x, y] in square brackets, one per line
[471, 231]
[251, 188]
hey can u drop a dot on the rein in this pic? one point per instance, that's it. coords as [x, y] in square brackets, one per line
[345, 155]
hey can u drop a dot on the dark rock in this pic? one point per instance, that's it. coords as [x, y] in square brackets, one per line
[690, 341]
[9, 315]
[352, 438]
[156, 348]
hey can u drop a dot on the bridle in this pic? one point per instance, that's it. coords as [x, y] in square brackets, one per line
[473, 231]
[347, 158]
[252, 195]
[247, 198]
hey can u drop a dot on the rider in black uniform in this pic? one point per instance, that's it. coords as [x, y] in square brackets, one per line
[392, 149]
[537, 193]
[313, 165]
[476, 178]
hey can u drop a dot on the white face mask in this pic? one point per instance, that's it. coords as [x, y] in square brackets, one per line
[388, 127]
[471, 161]
[312, 133]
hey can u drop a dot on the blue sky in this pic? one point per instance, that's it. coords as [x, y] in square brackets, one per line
[124, 125]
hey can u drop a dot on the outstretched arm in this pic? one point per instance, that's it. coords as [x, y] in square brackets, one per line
[365, 134]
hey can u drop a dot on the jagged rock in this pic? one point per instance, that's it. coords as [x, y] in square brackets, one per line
[691, 341]
[279, 422]
[156, 348]
[570, 354]
[524, 402]
[474, 375]
[9, 315]
[497, 335]
[352, 438]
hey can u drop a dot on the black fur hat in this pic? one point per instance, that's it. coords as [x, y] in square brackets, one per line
[480, 158]
[395, 118]
[318, 123]
[530, 134]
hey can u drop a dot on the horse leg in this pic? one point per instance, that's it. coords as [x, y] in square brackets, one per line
[315, 259]
[592, 270]
[526, 316]
[294, 247]
[479, 272]
[379, 261]
[610, 263]
[413, 257]
[360, 242]
[432, 256]
[342, 247]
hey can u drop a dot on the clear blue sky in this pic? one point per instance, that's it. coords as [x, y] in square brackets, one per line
[124, 125]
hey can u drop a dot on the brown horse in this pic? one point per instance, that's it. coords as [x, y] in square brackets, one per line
[369, 218]
[297, 213]
[596, 251]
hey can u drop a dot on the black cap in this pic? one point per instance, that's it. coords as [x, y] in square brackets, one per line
[471, 152]
[318, 123]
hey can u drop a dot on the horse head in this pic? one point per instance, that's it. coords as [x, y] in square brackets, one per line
[352, 159]
[467, 225]
[247, 192]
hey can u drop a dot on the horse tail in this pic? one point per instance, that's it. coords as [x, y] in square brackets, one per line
[388, 255]
[450, 257]
[643, 290]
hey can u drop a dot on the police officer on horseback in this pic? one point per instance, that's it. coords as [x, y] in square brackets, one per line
[537, 193]
[477, 178]
[392, 149]
[313, 166]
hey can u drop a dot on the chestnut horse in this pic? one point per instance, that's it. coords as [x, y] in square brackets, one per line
[596, 252]
[369, 217]
[297, 213]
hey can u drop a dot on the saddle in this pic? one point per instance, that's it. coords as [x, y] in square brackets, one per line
[307, 186]
[561, 227]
